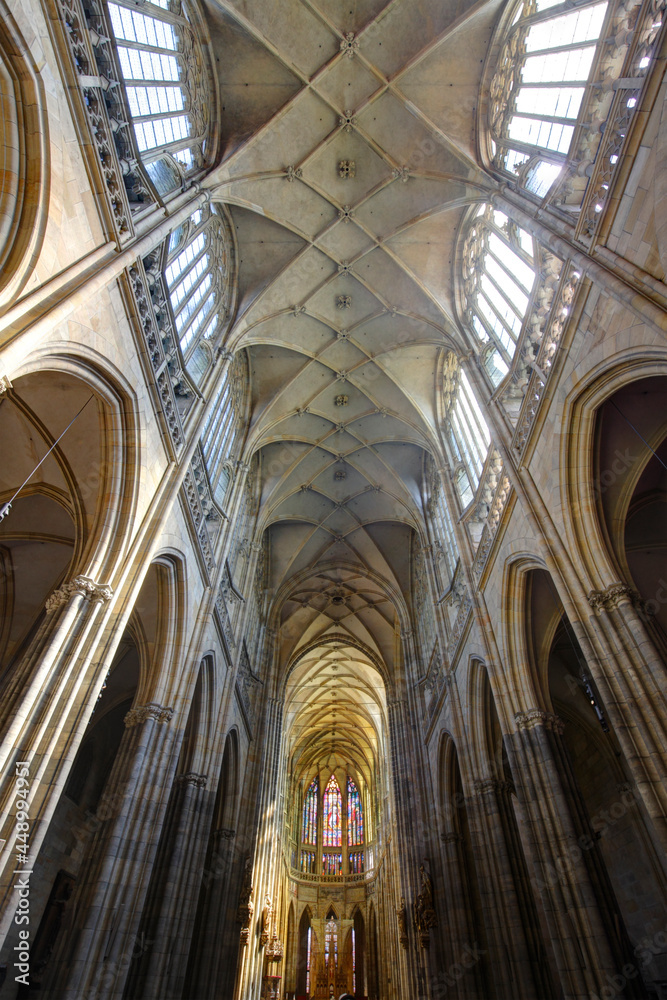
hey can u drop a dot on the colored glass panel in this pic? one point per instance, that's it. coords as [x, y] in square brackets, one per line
[332, 814]
[332, 864]
[355, 820]
[309, 832]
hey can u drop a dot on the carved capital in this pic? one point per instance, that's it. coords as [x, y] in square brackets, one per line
[198, 780]
[534, 717]
[612, 597]
[144, 712]
[450, 837]
[97, 593]
[485, 785]
[5, 384]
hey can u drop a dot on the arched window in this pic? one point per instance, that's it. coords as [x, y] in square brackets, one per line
[441, 526]
[197, 276]
[309, 831]
[222, 424]
[468, 435]
[331, 939]
[499, 273]
[309, 948]
[355, 820]
[332, 814]
[538, 90]
[162, 64]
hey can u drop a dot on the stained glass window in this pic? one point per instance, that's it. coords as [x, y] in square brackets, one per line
[308, 953]
[309, 835]
[332, 864]
[355, 821]
[330, 940]
[308, 862]
[333, 807]
[356, 862]
[354, 962]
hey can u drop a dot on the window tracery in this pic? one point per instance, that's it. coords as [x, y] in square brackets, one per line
[538, 90]
[441, 525]
[329, 820]
[564, 93]
[198, 279]
[166, 85]
[467, 434]
[331, 939]
[500, 262]
[222, 424]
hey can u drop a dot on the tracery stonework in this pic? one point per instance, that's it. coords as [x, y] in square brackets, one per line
[144, 712]
[83, 585]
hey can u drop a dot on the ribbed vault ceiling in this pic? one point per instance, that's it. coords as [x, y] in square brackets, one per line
[346, 300]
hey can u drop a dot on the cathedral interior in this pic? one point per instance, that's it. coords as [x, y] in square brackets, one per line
[333, 499]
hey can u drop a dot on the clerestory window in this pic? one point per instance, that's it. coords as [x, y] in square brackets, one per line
[223, 425]
[165, 81]
[500, 276]
[329, 820]
[539, 88]
[467, 433]
[309, 831]
[196, 276]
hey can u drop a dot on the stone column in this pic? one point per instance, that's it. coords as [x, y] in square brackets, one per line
[48, 702]
[636, 678]
[218, 880]
[266, 867]
[94, 958]
[578, 935]
[622, 658]
[509, 960]
[462, 974]
[406, 977]
[176, 891]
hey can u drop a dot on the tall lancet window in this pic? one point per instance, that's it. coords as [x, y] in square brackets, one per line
[309, 831]
[196, 277]
[332, 814]
[355, 820]
[469, 439]
[166, 86]
[331, 939]
[499, 272]
[223, 425]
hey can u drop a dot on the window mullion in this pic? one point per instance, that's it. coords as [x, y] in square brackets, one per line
[506, 299]
[503, 323]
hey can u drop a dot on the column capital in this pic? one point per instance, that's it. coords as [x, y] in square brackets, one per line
[613, 596]
[450, 837]
[144, 712]
[191, 778]
[97, 593]
[5, 384]
[496, 785]
[535, 717]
